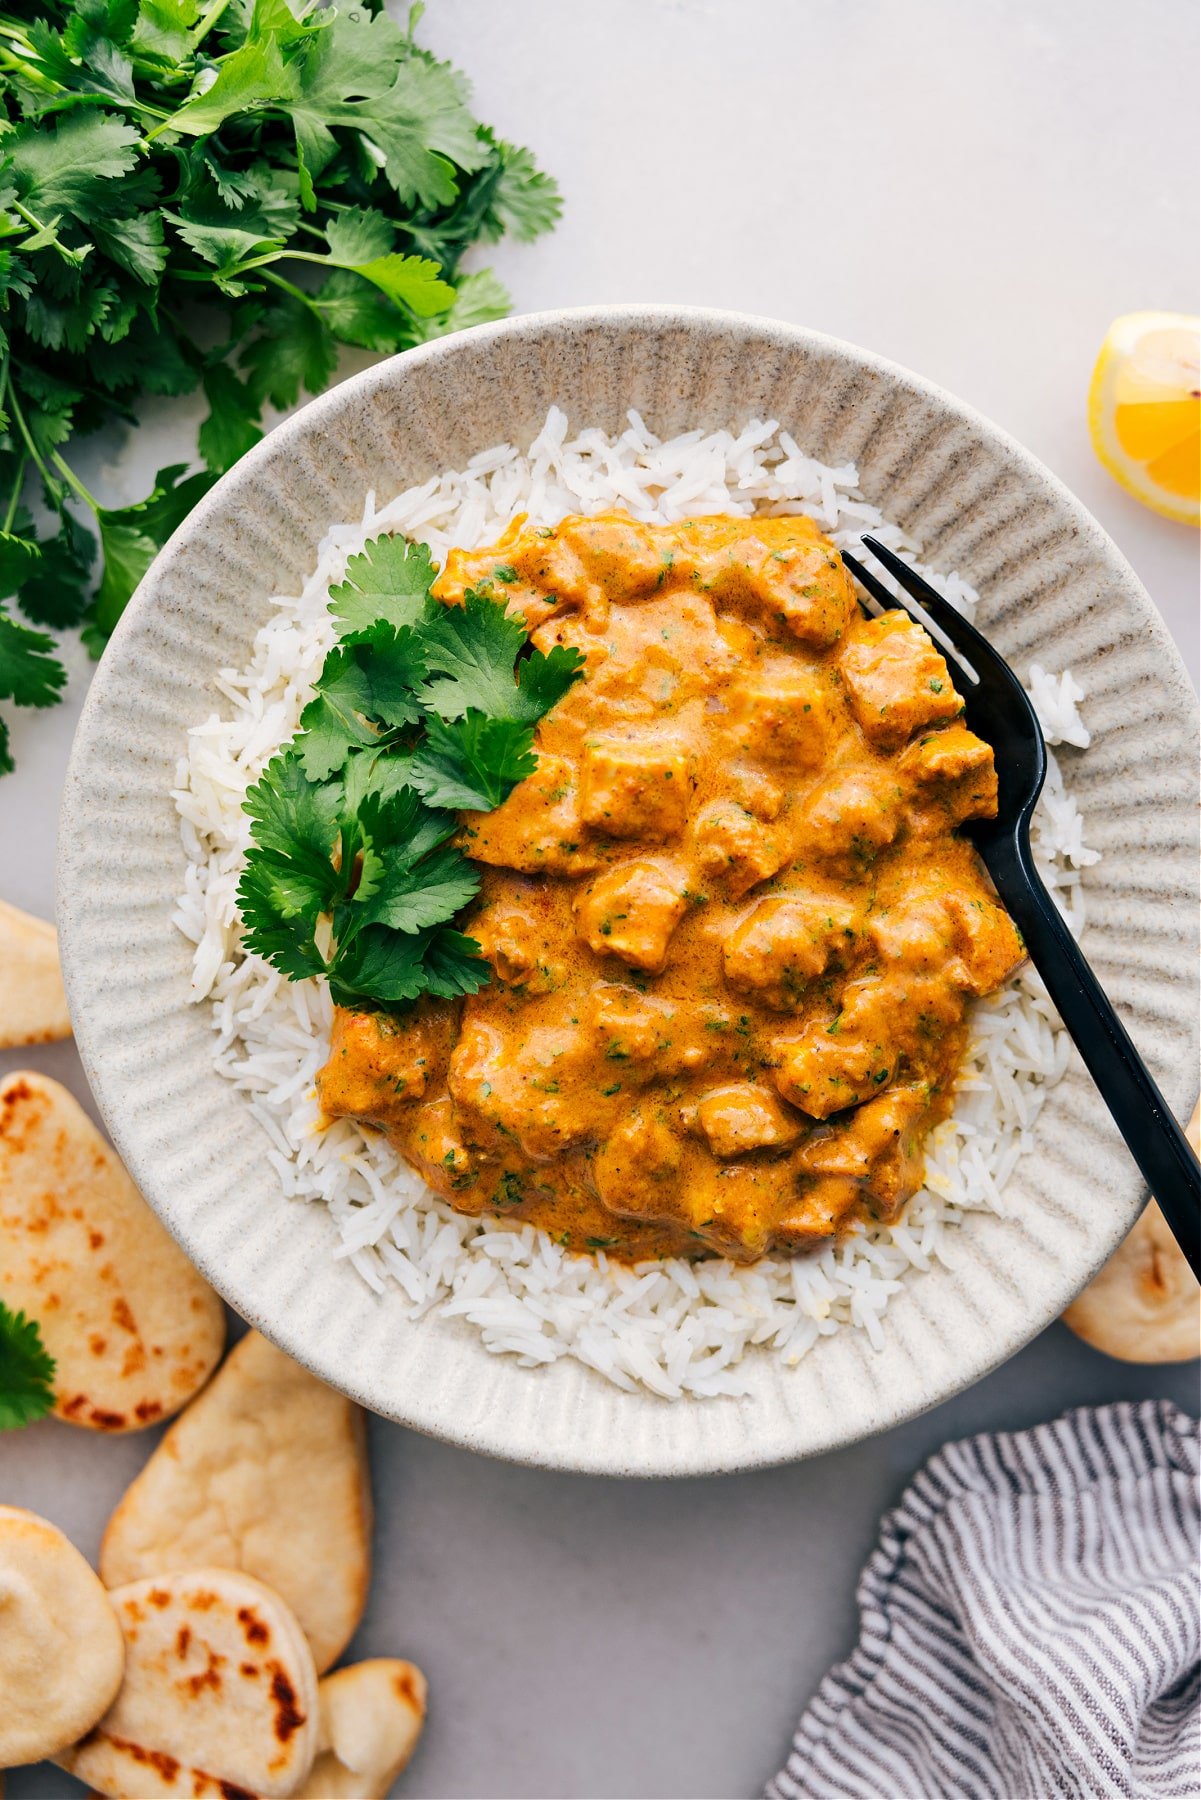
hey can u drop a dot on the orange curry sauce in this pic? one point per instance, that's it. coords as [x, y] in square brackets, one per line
[733, 927]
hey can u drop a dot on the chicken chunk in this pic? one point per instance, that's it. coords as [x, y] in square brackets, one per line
[379, 1064]
[953, 771]
[736, 850]
[786, 942]
[635, 1169]
[825, 1071]
[897, 681]
[619, 554]
[879, 1144]
[970, 941]
[630, 912]
[849, 819]
[799, 584]
[433, 1143]
[529, 1093]
[989, 943]
[782, 713]
[636, 1032]
[742, 1116]
[537, 829]
[815, 1216]
[635, 789]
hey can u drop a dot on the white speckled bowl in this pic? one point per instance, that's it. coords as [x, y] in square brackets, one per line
[1053, 587]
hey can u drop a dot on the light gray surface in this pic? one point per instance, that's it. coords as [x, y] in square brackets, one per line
[591, 1638]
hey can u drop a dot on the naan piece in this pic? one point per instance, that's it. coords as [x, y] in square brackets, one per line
[267, 1472]
[371, 1718]
[1145, 1305]
[61, 1650]
[219, 1697]
[133, 1329]
[33, 1002]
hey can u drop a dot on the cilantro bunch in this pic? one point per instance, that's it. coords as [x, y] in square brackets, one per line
[210, 196]
[26, 1371]
[421, 710]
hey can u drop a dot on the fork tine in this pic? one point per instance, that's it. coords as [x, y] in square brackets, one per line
[914, 584]
[949, 629]
[874, 586]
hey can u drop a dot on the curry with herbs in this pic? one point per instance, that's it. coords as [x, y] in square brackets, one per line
[733, 925]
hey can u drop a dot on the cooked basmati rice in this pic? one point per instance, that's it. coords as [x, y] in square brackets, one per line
[672, 1327]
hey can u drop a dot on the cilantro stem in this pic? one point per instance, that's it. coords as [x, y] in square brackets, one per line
[34, 223]
[14, 499]
[73, 482]
[289, 287]
[14, 404]
[205, 24]
[68, 474]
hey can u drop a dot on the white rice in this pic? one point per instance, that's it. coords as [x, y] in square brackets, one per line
[672, 1327]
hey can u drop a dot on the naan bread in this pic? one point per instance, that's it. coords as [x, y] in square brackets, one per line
[371, 1718]
[61, 1648]
[1145, 1305]
[33, 1003]
[133, 1329]
[267, 1472]
[219, 1694]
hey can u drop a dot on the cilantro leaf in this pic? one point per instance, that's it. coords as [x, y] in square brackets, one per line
[543, 679]
[409, 107]
[295, 349]
[55, 592]
[26, 1371]
[524, 201]
[350, 874]
[362, 241]
[480, 298]
[232, 426]
[280, 925]
[329, 730]
[381, 968]
[388, 580]
[454, 966]
[473, 763]
[30, 673]
[247, 79]
[132, 536]
[410, 897]
[296, 821]
[65, 168]
[472, 649]
[378, 677]
[19, 557]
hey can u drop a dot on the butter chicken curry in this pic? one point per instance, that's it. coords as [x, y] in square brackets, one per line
[733, 927]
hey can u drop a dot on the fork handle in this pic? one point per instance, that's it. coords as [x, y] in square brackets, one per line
[1140, 1112]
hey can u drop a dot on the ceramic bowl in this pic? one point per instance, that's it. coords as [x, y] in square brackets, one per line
[1053, 589]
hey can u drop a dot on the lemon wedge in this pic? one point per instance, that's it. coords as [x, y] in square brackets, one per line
[1144, 410]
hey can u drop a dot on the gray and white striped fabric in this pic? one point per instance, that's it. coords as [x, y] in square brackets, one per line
[1029, 1625]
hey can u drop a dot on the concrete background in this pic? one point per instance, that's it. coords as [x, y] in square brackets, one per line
[975, 191]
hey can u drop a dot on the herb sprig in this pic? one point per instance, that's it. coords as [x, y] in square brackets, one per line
[210, 196]
[421, 710]
[26, 1371]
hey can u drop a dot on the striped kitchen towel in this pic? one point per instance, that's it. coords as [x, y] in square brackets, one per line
[1029, 1625]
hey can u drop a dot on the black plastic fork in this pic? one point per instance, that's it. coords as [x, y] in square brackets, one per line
[997, 709]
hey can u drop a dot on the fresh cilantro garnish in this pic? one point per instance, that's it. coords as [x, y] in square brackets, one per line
[472, 763]
[212, 197]
[420, 711]
[26, 1371]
